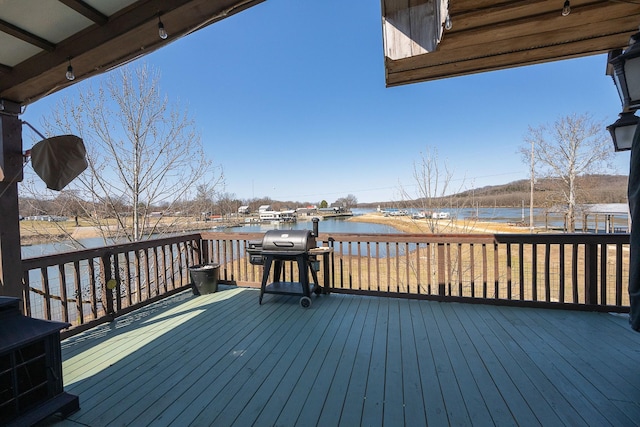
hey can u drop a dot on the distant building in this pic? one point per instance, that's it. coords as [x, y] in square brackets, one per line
[244, 210]
[307, 211]
[264, 208]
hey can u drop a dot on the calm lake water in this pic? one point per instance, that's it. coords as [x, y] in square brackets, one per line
[341, 225]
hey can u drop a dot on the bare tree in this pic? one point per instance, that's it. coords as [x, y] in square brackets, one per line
[433, 181]
[141, 150]
[348, 202]
[573, 146]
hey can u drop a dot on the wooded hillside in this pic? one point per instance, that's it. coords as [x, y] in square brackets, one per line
[591, 189]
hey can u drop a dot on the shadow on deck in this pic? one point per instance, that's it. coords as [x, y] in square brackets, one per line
[222, 359]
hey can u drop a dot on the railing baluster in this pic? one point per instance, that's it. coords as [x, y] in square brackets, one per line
[509, 272]
[603, 274]
[44, 274]
[460, 269]
[369, 263]
[496, 272]
[449, 262]
[547, 272]
[561, 261]
[397, 268]
[619, 255]
[574, 272]
[359, 265]
[521, 272]
[62, 280]
[484, 270]
[378, 266]
[472, 265]
[116, 270]
[534, 272]
[163, 254]
[92, 287]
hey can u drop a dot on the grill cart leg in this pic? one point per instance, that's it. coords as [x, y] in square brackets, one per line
[265, 275]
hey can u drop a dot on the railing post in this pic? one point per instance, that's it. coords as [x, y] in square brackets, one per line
[591, 273]
[107, 289]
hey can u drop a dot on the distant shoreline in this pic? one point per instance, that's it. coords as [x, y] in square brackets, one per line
[404, 224]
[407, 224]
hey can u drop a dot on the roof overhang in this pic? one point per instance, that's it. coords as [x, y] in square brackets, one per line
[490, 35]
[38, 39]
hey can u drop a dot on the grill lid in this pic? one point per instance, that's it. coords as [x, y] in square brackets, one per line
[288, 241]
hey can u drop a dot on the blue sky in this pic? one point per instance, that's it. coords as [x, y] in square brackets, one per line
[290, 100]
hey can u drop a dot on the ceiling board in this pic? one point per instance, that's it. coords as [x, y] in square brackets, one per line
[490, 35]
[29, 72]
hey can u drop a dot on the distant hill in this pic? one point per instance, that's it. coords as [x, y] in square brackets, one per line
[591, 189]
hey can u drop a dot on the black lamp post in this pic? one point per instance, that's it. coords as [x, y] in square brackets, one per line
[622, 131]
[626, 74]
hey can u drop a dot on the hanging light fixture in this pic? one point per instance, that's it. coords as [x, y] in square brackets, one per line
[69, 74]
[161, 31]
[626, 74]
[566, 9]
[447, 22]
[623, 130]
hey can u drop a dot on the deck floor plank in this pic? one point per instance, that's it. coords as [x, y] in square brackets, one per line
[469, 389]
[314, 404]
[334, 403]
[586, 384]
[222, 359]
[456, 409]
[176, 383]
[266, 404]
[517, 365]
[373, 408]
[497, 365]
[252, 399]
[432, 398]
[214, 374]
[115, 378]
[539, 366]
[414, 407]
[356, 392]
[394, 400]
[492, 400]
[292, 409]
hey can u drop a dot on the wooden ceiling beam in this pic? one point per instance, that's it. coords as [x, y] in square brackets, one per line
[86, 10]
[486, 45]
[527, 57]
[4, 69]
[542, 21]
[26, 36]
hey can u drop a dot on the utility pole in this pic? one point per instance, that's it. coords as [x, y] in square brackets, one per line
[533, 178]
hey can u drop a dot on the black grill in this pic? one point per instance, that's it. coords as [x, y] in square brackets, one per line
[279, 246]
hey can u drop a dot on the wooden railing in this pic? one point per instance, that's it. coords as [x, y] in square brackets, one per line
[580, 271]
[92, 286]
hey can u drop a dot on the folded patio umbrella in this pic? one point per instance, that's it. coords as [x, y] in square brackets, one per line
[59, 160]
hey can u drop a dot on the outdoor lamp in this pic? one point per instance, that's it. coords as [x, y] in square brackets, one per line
[162, 33]
[622, 131]
[626, 74]
[69, 74]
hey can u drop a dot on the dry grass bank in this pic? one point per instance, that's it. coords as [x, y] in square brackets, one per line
[407, 224]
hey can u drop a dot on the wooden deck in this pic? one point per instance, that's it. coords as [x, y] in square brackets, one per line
[223, 360]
